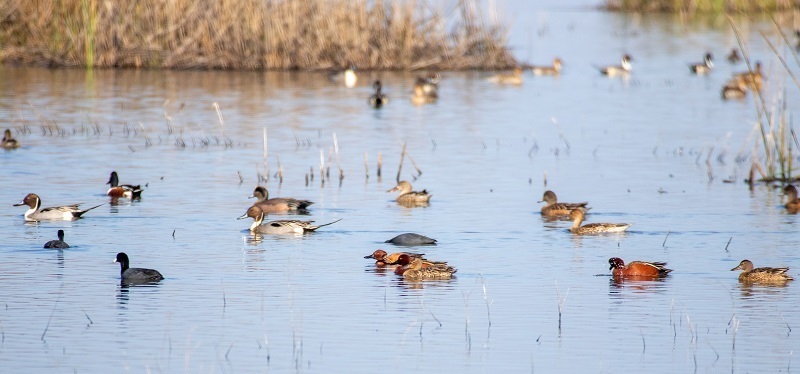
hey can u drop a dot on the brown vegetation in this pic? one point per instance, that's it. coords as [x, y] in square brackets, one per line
[250, 34]
[701, 6]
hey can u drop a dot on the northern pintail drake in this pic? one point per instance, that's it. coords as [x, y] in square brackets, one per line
[548, 70]
[57, 244]
[704, 67]
[280, 226]
[378, 99]
[37, 213]
[411, 239]
[383, 258]
[577, 215]
[512, 78]
[556, 209]
[752, 79]
[637, 268]
[135, 275]
[8, 141]
[734, 57]
[734, 89]
[615, 70]
[416, 271]
[277, 204]
[408, 197]
[348, 76]
[792, 202]
[426, 89]
[761, 275]
[122, 190]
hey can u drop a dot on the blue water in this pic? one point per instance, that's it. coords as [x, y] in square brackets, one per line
[635, 149]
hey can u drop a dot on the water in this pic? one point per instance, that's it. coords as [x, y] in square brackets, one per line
[635, 150]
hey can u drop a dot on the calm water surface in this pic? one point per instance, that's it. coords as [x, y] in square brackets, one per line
[635, 149]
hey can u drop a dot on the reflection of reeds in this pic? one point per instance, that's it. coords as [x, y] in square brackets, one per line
[700, 6]
[252, 34]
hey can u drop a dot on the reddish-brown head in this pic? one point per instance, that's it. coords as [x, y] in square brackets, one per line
[403, 260]
[378, 255]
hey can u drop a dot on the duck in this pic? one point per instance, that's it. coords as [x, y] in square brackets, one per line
[577, 215]
[556, 209]
[426, 89]
[122, 190]
[734, 57]
[416, 271]
[348, 76]
[761, 275]
[409, 197]
[135, 275]
[280, 226]
[513, 78]
[57, 244]
[277, 204]
[36, 213]
[752, 79]
[704, 67]
[378, 99]
[383, 258]
[792, 202]
[614, 70]
[734, 89]
[8, 141]
[548, 70]
[411, 239]
[637, 268]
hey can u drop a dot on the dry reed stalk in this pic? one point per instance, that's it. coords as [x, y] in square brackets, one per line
[266, 165]
[280, 170]
[338, 164]
[252, 34]
[366, 166]
[400, 168]
[380, 162]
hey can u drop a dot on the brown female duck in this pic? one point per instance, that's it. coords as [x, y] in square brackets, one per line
[792, 202]
[277, 204]
[416, 271]
[761, 275]
[577, 216]
[408, 197]
[556, 209]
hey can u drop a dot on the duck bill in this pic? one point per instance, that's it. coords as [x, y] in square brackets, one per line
[252, 197]
[737, 268]
[20, 204]
[397, 188]
[369, 256]
[243, 216]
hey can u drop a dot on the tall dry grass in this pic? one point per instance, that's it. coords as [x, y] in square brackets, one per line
[701, 6]
[251, 34]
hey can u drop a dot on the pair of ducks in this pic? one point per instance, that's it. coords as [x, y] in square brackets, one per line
[264, 205]
[412, 266]
[515, 76]
[737, 86]
[646, 269]
[425, 91]
[577, 213]
[35, 211]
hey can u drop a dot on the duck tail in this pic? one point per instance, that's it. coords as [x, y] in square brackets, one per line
[78, 214]
[329, 223]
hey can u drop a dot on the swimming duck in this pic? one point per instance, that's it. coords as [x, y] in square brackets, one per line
[408, 197]
[426, 89]
[792, 202]
[135, 275]
[577, 215]
[761, 275]
[410, 239]
[548, 70]
[623, 69]
[35, 213]
[8, 141]
[555, 209]
[734, 57]
[122, 190]
[637, 268]
[348, 76]
[382, 258]
[378, 99]
[277, 204]
[280, 226]
[703, 68]
[415, 271]
[734, 89]
[513, 78]
[57, 244]
[752, 79]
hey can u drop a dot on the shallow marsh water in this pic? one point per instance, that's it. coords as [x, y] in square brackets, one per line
[635, 150]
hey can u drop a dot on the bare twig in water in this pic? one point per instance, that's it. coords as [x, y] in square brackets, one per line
[400, 168]
[380, 162]
[241, 180]
[560, 133]
[486, 300]
[91, 322]
[419, 172]
[545, 179]
[52, 312]
[664, 244]
[266, 165]
[338, 165]
[280, 170]
[561, 301]
[787, 324]
[322, 166]
[729, 243]
[436, 319]
[366, 166]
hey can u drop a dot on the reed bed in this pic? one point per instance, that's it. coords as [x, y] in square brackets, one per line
[251, 34]
[701, 6]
